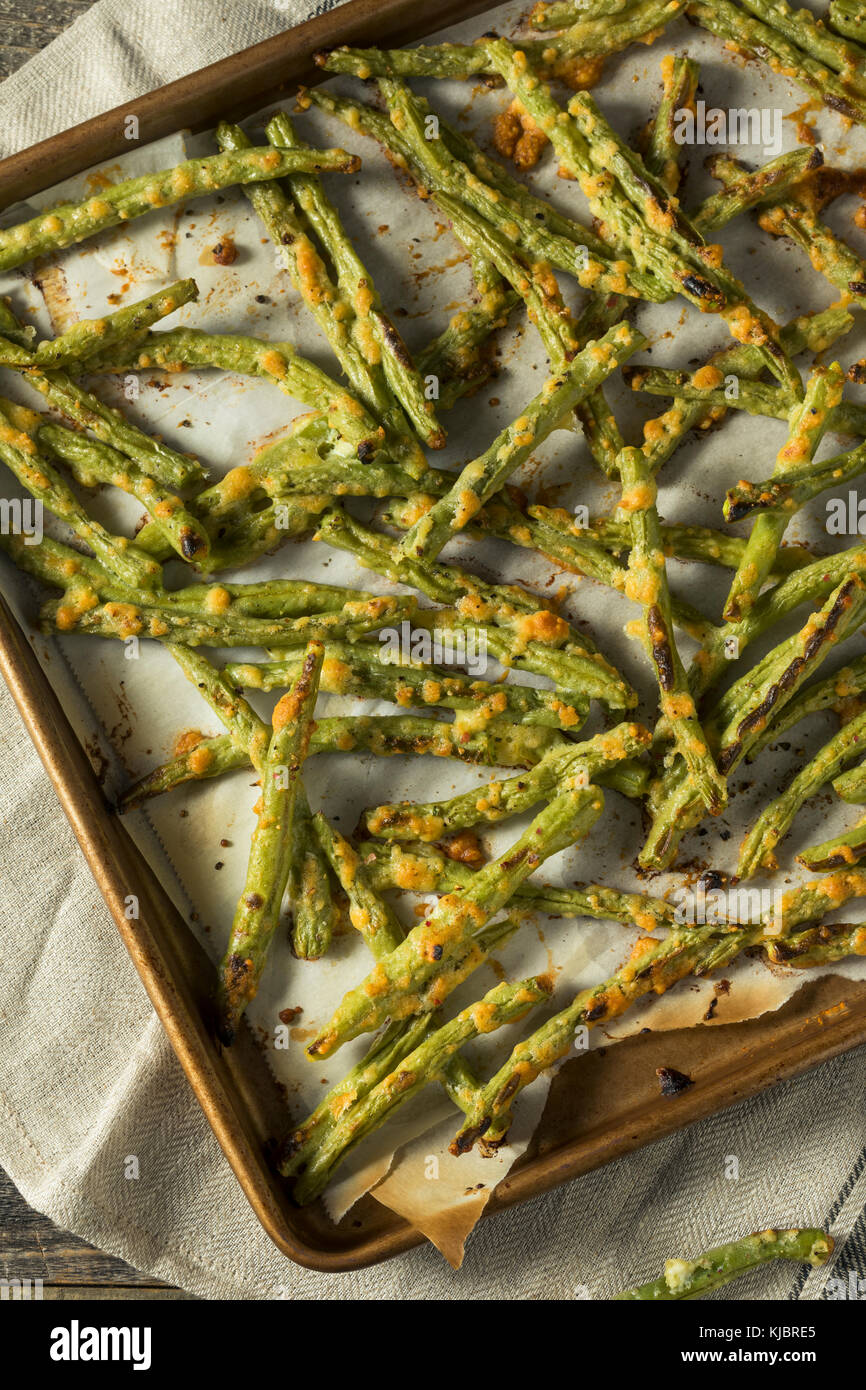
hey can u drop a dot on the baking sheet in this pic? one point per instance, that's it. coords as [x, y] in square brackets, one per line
[130, 711]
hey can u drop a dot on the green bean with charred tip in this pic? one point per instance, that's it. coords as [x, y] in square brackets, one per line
[477, 481]
[373, 671]
[258, 911]
[664, 152]
[70, 223]
[754, 397]
[842, 849]
[443, 950]
[505, 1003]
[777, 498]
[646, 583]
[691, 1278]
[674, 230]
[768, 43]
[758, 850]
[91, 462]
[808, 423]
[585, 761]
[772, 182]
[19, 451]
[591, 150]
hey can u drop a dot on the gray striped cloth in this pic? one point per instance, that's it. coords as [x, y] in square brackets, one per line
[87, 1077]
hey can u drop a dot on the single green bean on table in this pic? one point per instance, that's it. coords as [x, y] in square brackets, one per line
[499, 744]
[440, 952]
[20, 452]
[851, 786]
[772, 182]
[315, 914]
[559, 14]
[743, 32]
[88, 337]
[76, 612]
[70, 223]
[691, 1278]
[258, 912]
[477, 481]
[586, 40]
[780, 496]
[808, 423]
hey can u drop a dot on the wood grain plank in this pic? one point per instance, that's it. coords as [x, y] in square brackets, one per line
[32, 1247]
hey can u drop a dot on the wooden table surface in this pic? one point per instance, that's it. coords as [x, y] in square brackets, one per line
[31, 1246]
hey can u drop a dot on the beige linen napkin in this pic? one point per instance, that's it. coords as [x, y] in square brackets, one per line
[87, 1078]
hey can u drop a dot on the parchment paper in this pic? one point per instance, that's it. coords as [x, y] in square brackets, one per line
[129, 712]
